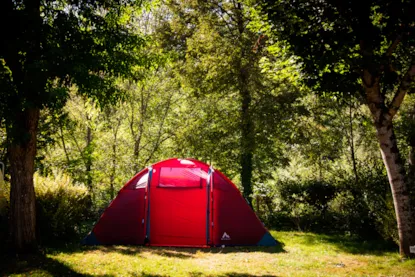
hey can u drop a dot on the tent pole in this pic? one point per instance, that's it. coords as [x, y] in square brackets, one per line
[150, 175]
[211, 202]
[208, 207]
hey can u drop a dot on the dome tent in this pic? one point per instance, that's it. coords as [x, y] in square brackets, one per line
[179, 202]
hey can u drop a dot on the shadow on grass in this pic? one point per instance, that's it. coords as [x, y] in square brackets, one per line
[180, 252]
[230, 274]
[41, 265]
[171, 252]
[133, 250]
[37, 264]
[351, 245]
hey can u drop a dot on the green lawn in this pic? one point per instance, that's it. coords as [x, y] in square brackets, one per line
[300, 254]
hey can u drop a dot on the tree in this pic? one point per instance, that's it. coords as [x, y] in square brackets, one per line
[149, 106]
[53, 45]
[354, 46]
[219, 61]
[103, 147]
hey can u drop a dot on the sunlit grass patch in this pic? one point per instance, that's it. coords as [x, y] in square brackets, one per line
[300, 254]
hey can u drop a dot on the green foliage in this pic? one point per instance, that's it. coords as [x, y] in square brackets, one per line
[362, 208]
[305, 203]
[236, 104]
[336, 39]
[83, 43]
[57, 45]
[351, 215]
[104, 147]
[62, 206]
[4, 209]
[112, 110]
[352, 47]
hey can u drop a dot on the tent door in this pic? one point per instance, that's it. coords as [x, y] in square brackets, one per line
[178, 211]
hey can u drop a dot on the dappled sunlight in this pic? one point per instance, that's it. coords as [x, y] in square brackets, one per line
[299, 254]
[177, 252]
[337, 243]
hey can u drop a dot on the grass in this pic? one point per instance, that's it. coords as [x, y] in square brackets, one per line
[300, 254]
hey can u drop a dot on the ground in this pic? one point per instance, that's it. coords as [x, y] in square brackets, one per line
[299, 254]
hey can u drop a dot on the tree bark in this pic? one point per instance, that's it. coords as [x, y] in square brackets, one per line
[411, 159]
[114, 169]
[411, 176]
[68, 160]
[115, 129]
[399, 188]
[22, 151]
[23, 55]
[138, 134]
[247, 145]
[88, 157]
[383, 121]
[352, 148]
[411, 156]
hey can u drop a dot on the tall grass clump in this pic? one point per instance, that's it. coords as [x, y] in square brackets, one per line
[62, 206]
[4, 208]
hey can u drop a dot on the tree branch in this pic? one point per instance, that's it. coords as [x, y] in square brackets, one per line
[403, 89]
[393, 46]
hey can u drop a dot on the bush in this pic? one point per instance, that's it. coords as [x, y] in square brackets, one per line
[368, 208]
[4, 209]
[362, 208]
[62, 207]
[306, 203]
[351, 215]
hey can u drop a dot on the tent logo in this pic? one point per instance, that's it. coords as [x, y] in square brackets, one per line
[225, 236]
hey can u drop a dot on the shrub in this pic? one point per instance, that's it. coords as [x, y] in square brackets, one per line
[306, 203]
[362, 208]
[351, 215]
[62, 206]
[4, 209]
[368, 209]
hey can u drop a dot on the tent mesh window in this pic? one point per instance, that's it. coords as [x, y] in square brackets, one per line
[176, 177]
[142, 182]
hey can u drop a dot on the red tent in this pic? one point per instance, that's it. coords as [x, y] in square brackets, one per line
[179, 202]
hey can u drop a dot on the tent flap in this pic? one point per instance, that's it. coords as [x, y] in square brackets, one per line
[90, 239]
[267, 240]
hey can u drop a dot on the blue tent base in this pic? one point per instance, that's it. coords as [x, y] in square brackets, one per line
[267, 240]
[90, 239]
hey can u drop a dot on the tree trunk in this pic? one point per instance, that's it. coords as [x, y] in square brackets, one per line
[399, 187]
[411, 171]
[247, 141]
[22, 151]
[411, 159]
[88, 157]
[352, 148]
[114, 160]
[68, 160]
[113, 169]
[383, 121]
[247, 124]
[411, 176]
[136, 154]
